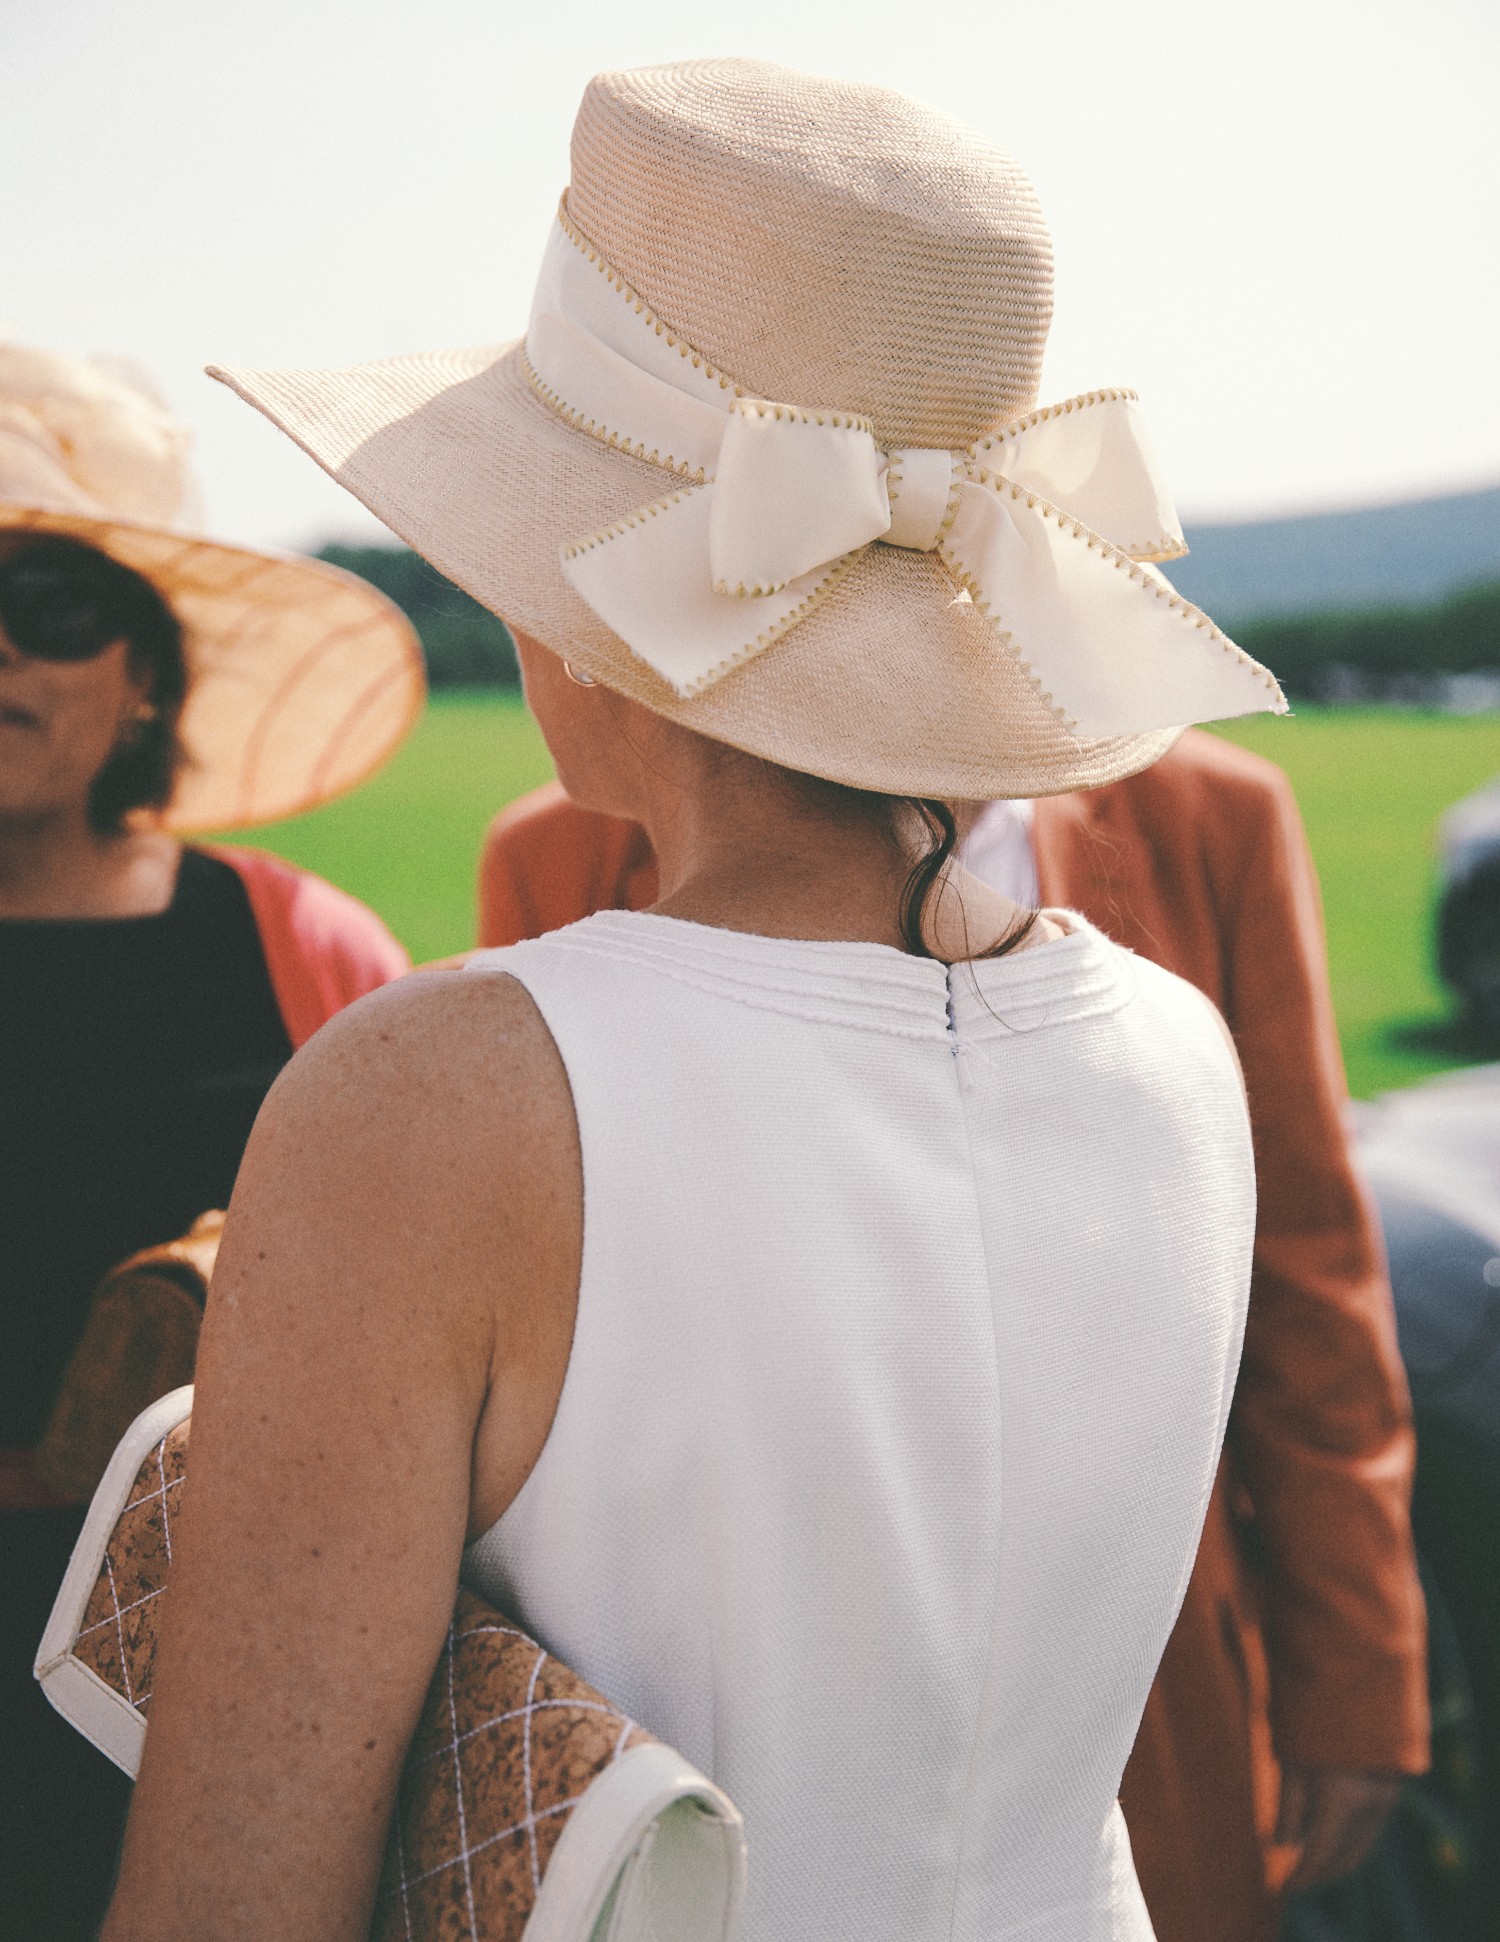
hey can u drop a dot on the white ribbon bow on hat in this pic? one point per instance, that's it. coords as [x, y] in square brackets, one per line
[1045, 524]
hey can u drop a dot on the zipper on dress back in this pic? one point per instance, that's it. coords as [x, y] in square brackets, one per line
[955, 1045]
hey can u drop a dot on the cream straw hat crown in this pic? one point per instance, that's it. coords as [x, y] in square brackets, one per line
[768, 458]
[302, 678]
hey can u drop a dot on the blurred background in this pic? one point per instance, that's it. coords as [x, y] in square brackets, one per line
[1277, 225]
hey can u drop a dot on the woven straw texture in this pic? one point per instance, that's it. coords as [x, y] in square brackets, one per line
[822, 243]
[726, 192]
[303, 679]
[508, 1743]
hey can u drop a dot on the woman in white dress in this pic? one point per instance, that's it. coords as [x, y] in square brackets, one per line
[814, 1303]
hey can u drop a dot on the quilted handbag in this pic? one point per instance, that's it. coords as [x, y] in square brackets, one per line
[529, 1806]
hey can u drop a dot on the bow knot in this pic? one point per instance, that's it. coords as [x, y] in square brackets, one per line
[796, 489]
[919, 484]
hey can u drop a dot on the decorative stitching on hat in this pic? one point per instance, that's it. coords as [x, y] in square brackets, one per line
[742, 592]
[633, 448]
[774, 633]
[642, 309]
[622, 526]
[1111, 394]
[761, 641]
[844, 421]
[955, 499]
[1165, 546]
[1121, 561]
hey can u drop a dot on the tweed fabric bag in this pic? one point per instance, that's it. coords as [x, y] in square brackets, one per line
[529, 1806]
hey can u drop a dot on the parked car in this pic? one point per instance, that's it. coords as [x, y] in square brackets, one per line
[1468, 916]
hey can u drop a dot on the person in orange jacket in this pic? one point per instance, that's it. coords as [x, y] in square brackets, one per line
[1292, 1697]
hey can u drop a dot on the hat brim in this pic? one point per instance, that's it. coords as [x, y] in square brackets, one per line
[303, 679]
[894, 683]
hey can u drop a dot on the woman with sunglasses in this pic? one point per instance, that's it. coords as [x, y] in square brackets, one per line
[151, 989]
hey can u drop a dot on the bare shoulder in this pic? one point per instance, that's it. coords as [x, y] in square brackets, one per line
[416, 1037]
[424, 1070]
[429, 1125]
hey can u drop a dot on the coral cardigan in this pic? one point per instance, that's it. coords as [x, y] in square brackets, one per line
[1302, 1635]
[323, 947]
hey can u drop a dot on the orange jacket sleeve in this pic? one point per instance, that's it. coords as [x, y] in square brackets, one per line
[1321, 1430]
[546, 863]
[323, 947]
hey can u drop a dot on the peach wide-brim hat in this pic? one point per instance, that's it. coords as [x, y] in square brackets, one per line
[302, 679]
[768, 459]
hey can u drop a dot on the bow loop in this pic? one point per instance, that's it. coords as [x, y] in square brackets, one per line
[793, 490]
[1093, 455]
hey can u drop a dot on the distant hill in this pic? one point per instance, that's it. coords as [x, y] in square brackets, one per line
[1380, 556]
[1343, 605]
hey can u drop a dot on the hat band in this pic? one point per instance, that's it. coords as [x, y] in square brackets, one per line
[1045, 524]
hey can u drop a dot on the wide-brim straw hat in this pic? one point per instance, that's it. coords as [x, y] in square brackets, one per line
[885, 274]
[302, 678]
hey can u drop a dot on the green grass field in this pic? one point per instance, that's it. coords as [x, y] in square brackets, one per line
[408, 841]
[1371, 783]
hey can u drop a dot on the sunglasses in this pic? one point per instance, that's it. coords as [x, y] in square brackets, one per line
[59, 609]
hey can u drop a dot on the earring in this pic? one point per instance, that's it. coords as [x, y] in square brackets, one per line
[583, 680]
[136, 722]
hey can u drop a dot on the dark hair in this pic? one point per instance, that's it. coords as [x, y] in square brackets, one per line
[926, 875]
[116, 603]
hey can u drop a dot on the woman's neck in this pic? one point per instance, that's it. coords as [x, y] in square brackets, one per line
[58, 867]
[746, 847]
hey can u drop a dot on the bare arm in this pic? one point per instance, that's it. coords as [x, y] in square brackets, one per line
[385, 1341]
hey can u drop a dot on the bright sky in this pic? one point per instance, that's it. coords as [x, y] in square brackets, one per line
[1276, 222]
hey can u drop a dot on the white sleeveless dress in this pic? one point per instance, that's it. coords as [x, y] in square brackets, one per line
[909, 1314]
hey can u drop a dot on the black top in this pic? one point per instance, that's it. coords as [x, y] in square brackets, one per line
[134, 1055]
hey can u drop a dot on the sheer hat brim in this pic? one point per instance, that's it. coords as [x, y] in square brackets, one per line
[303, 679]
